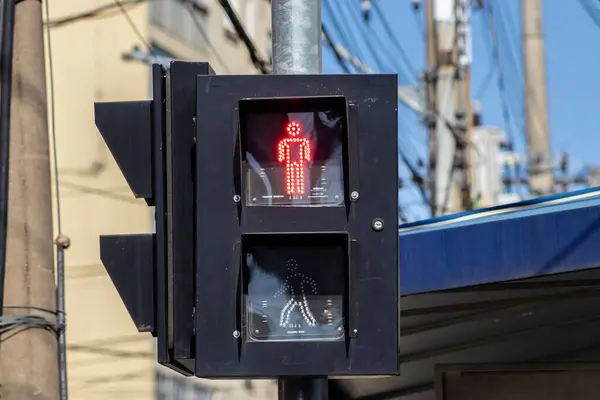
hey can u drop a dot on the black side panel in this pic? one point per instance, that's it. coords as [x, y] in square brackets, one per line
[163, 311]
[126, 129]
[181, 201]
[129, 261]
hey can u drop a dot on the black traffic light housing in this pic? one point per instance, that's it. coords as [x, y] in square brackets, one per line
[238, 225]
[236, 212]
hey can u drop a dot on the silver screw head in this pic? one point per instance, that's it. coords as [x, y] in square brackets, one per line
[237, 198]
[378, 224]
[236, 334]
[354, 195]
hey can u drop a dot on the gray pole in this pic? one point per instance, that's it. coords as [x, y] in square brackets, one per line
[296, 26]
[541, 179]
[29, 360]
[446, 188]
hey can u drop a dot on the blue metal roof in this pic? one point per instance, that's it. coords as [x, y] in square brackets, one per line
[543, 236]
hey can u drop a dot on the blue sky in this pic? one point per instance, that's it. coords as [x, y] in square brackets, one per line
[572, 62]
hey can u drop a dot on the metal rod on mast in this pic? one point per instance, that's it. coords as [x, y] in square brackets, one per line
[296, 26]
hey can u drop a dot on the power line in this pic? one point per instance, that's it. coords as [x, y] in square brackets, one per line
[191, 6]
[357, 22]
[89, 14]
[364, 68]
[394, 39]
[593, 14]
[132, 24]
[204, 35]
[338, 55]
[506, 115]
[341, 30]
[343, 54]
[514, 62]
[258, 62]
[485, 82]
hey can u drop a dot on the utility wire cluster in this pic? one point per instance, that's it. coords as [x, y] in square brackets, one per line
[502, 34]
[13, 323]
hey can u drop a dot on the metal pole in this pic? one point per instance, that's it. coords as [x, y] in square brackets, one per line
[29, 360]
[447, 190]
[62, 242]
[302, 389]
[296, 26]
[6, 60]
[463, 39]
[431, 101]
[541, 179]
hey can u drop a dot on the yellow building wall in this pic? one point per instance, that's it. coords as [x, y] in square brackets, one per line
[107, 358]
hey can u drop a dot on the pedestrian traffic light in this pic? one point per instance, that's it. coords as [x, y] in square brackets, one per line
[296, 215]
[276, 248]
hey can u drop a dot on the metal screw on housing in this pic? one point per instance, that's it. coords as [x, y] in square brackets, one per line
[354, 195]
[377, 224]
[237, 198]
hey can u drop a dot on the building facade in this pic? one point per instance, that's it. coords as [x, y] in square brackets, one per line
[90, 39]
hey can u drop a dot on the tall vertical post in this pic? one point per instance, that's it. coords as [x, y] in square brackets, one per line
[296, 27]
[6, 58]
[430, 79]
[541, 179]
[28, 357]
[464, 111]
[447, 190]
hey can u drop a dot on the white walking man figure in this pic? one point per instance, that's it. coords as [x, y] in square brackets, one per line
[296, 285]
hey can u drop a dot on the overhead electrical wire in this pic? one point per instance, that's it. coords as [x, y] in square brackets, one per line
[329, 42]
[364, 68]
[204, 35]
[394, 40]
[97, 12]
[342, 54]
[346, 41]
[591, 10]
[506, 114]
[356, 21]
[508, 51]
[132, 24]
[260, 64]
[191, 6]
[361, 67]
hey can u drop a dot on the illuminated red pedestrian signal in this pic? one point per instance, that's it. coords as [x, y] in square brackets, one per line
[294, 151]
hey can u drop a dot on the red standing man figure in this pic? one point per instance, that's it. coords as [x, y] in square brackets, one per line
[294, 151]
